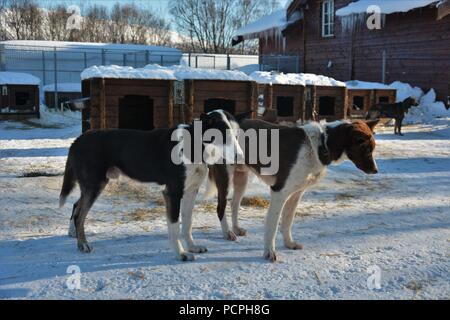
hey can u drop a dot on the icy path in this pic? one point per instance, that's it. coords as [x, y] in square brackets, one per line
[398, 220]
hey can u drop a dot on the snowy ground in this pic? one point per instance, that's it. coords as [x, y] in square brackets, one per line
[397, 220]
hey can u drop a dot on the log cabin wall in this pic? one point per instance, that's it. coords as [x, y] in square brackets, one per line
[361, 100]
[328, 103]
[19, 107]
[242, 95]
[106, 96]
[287, 101]
[417, 48]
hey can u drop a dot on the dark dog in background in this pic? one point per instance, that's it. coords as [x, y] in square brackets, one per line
[395, 111]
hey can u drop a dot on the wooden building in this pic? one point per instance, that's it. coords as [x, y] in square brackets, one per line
[303, 97]
[19, 96]
[363, 95]
[158, 97]
[410, 42]
[65, 92]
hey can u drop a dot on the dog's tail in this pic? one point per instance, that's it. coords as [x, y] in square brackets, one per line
[68, 182]
[211, 187]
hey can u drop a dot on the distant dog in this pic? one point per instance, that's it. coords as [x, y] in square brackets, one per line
[304, 153]
[396, 111]
[98, 156]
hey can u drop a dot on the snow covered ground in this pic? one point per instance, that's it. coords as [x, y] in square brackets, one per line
[397, 220]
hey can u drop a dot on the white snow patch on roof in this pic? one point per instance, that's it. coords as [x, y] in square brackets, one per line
[362, 85]
[18, 78]
[87, 45]
[386, 6]
[276, 20]
[63, 87]
[156, 72]
[153, 72]
[295, 79]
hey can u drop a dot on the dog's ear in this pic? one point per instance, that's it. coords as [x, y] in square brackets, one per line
[372, 124]
[243, 116]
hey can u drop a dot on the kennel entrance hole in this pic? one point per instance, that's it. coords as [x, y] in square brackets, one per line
[358, 103]
[383, 99]
[22, 98]
[136, 112]
[285, 106]
[326, 106]
[220, 104]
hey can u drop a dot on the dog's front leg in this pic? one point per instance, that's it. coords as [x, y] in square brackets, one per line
[187, 207]
[173, 201]
[287, 220]
[277, 201]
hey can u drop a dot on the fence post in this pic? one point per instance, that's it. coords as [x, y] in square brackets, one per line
[85, 60]
[43, 68]
[383, 68]
[147, 57]
[103, 57]
[55, 66]
[228, 62]
[196, 61]
[189, 63]
[124, 62]
[162, 60]
[2, 57]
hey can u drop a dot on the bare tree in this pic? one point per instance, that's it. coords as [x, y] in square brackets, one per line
[56, 20]
[210, 24]
[95, 24]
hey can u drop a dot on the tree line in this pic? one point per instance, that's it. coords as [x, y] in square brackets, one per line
[198, 25]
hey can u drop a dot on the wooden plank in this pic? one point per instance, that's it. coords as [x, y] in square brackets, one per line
[170, 106]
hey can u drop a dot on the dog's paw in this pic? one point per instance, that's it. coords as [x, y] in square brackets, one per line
[270, 255]
[85, 247]
[293, 245]
[72, 229]
[241, 232]
[230, 236]
[197, 249]
[186, 257]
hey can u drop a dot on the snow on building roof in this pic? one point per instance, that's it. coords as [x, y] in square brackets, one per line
[63, 87]
[295, 79]
[386, 6]
[42, 45]
[362, 85]
[18, 78]
[276, 20]
[156, 72]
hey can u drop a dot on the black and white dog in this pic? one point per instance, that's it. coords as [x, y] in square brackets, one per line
[98, 156]
[304, 154]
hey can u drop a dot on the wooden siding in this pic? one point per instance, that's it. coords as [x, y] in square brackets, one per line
[8, 100]
[417, 47]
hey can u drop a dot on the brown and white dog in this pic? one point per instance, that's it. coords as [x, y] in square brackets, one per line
[304, 154]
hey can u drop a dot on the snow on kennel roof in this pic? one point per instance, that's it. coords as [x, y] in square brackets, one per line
[386, 6]
[63, 87]
[156, 72]
[364, 85]
[18, 78]
[295, 79]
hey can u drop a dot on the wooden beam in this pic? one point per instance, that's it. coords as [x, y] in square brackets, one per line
[102, 103]
[443, 9]
[170, 106]
[190, 89]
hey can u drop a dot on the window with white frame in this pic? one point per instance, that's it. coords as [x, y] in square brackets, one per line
[327, 18]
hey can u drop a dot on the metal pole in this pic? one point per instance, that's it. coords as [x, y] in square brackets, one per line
[147, 57]
[43, 68]
[55, 66]
[162, 60]
[85, 60]
[124, 62]
[383, 68]
[196, 61]
[2, 58]
[189, 63]
[103, 57]
[228, 62]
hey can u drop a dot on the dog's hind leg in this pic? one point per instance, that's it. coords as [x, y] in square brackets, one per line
[187, 207]
[72, 228]
[287, 219]
[87, 199]
[240, 180]
[221, 178]
[277, 201]
[172, 200]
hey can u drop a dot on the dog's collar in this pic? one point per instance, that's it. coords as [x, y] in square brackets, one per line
[324, 153]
